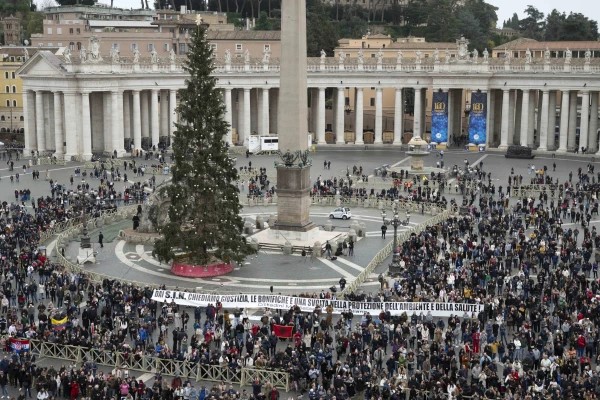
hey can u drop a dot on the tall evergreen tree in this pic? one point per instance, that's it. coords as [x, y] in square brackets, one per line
[204, 221]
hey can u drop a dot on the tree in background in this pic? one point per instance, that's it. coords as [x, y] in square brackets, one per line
[532, 26]
[204, 221]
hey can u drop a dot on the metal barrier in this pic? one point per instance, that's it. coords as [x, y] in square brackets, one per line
[49, 161]
[166, 366]
[534, 190]
[359, 202]
[385, 252]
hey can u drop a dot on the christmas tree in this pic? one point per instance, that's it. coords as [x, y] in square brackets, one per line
[204, 224]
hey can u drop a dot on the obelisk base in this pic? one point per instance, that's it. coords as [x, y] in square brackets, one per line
[293, 199]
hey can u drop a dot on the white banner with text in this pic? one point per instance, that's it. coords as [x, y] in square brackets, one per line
[278, 302]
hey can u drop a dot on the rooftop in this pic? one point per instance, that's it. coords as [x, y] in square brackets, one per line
[532, 44]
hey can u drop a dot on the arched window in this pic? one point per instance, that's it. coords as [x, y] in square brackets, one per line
[7, 89]
[14, 88]
[14, 103]
[71, 46]
[78, 45]
[7, 103]
[21, 118]
[2, 118]
[22, 130]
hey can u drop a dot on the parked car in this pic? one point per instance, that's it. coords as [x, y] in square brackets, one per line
[341, 212]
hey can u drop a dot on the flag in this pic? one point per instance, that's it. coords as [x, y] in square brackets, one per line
[19, 345]
[282, 331]
[59, 324]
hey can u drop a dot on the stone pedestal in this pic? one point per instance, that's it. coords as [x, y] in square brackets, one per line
[293, 193]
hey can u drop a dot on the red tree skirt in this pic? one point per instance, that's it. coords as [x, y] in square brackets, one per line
[201, 271]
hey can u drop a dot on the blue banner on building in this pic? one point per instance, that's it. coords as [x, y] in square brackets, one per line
[439, 117]
[477, 118]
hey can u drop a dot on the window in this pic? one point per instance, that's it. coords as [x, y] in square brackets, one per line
[213, 46]
[14, 89]
[166, 46]
[49, 31]
[7, 103]
[238, 47]
[14, 103]
[21, 118]
[78, 31]
[150, 46]
[7, 89]
[134, 46]
[267, 47]
[182, 48]
[372, 101]
[347, 101]
[6, 75]
[78, 45]
[115, 46]
[59, 31]
[70, 31]
[72, 46]
[13, 74]
[2, 118]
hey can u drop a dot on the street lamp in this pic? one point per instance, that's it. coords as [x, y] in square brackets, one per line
[395, 268]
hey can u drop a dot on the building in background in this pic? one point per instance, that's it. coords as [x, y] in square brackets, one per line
[518, 48]
[13, 33]
[147, 30]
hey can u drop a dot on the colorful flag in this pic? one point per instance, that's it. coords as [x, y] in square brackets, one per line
[59, 324]
[19, 345]
[282, 331]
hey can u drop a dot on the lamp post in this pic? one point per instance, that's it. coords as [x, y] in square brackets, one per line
[395, 268]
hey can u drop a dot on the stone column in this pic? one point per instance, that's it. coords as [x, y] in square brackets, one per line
[564, 122]
[505, 113]
[144, 114]
[127, 116]
[417, 113]
[173, 113]
[137, 121]
[572, 139]
[39, 121]
[116, 98]
[245, 134]
[378, 115]
[164, 113]
[58, 126]
[531, 117]
[525, 118]
[594, 121]
[339, 116]
[321, 117]
[265, 111]
[359, 116]
[70, 125]
[584, 123]
[29, 136]
[516, 107]
[154, 118]
[489, 118]
[552, 120]
[228, 115]
[86, 126]
[544, 121]
[398, 117]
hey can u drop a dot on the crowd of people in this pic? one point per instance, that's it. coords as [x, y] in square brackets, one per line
[534, 272]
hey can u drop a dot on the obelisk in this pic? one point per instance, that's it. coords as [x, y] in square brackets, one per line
[293, 171]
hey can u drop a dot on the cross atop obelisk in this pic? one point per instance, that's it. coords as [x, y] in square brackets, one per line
[293, 171]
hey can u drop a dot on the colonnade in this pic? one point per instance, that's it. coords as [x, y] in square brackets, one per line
[565, 119]
[77, 123]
